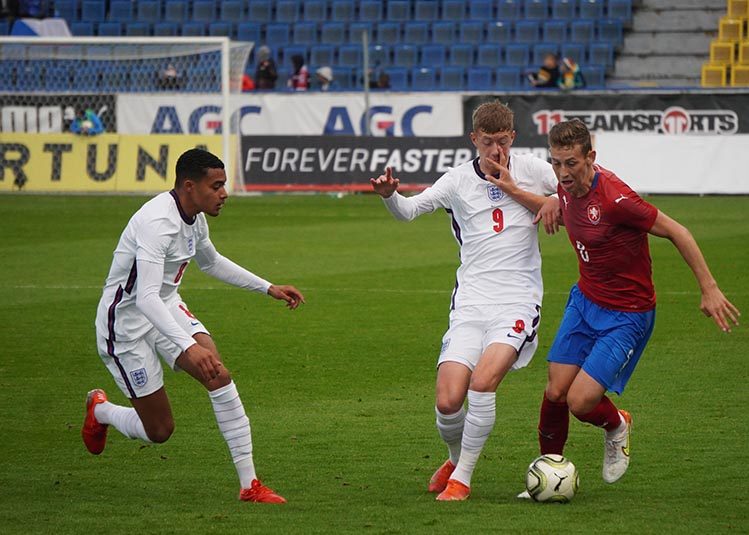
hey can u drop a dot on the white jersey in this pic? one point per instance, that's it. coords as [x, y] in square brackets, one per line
[500, 261]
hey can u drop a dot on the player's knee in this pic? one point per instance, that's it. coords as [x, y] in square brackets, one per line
[580, 405]
[449, 404]
[160, 433]
[484, 384]
[555, 394]
[222, 379]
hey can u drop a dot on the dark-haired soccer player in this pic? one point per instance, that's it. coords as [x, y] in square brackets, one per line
[611, 310]
[141, 316]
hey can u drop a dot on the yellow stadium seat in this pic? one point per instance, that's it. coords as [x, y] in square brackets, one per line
[713, 75]
[738, 9]
[740, 76]
[722, 52]
[730, 29]
[743, 53]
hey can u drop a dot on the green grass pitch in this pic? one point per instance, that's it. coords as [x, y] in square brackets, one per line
[340, 392]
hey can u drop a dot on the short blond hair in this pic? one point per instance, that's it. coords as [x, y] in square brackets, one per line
[492, 117]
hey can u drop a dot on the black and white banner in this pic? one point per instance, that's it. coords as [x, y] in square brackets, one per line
[52, 114]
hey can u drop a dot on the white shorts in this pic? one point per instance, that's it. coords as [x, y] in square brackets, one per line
[473, 328]
[135, 364]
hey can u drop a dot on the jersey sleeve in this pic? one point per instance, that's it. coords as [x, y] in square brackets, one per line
[548, 179]
[438, 195]
[629, 209]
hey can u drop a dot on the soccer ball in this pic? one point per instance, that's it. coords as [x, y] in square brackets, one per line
[552, 478]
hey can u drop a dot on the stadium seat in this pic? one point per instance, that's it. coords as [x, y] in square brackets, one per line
[370, 10]
[193, 29]
[65, 9]
[423, 79]
[610, 30]
[536, 9]
[333, 33]
[344, 78]
[461, 55]
[57, 77]
[121, 11]
[527, 31]
[260, 11]
[7, 76]
[581, 31]
[148, 11]
[115, 78]
[452, 78]
[499, 32]
[517, 55]
[165, 29]
[482, 10]
[305, 33]
[509, 78]
[109, 29]
[231, 11]
[433, 55]
[471, 31]
[479, 79]
[399, 10]
[563, 9]
[620, 9]
[315, 11]
[277, 34]
[287, 10]
[416, 33]
[322, 55]
[204, 11]
[379, 55]
[575, 51]
[488, 55]
[601, 53]
[220, 29]
[93, 11]
[249, 32]
[288, 51]
[454, 10]
[175, 11]
[86, 78]
[350, 55]
[343, 10]
[427, 10]
[443, 32]
[540, 50]
[595, 76]
[508, 10]
[398, 78]
[355, 30]
[138, 29]
[555, 31]
[82, 29]
[591, 9]
[388, 33]
[405, 55]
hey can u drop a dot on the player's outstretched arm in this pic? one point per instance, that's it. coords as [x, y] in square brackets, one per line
[285, 292]
[714, 304]
[385, 185]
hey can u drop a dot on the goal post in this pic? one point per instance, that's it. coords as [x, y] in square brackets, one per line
[49, 84]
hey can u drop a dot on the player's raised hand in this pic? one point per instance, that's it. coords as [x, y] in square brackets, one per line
[550, 214]
[285, 292]
[715, 305]
[499, 173]
[385, 185]
[205, 361]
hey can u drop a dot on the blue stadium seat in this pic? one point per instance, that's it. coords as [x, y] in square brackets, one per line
[138, 29]
[93, 11]
[416, 33]
[454, 10]
[427, 10]
[370, 10]
[423, 79]
[379, 55]
[86, 78]
[517, 55]
[610, 30]
[350, 55]
[57, 77]
[29, 76]
[443, 32]
[355, 30]
[398, 78]
[305, 33]
[482, 10]
[563, 9]
[165, 29]
[555, 31]
[193, 29]
[109, 29]
[509, 78]
[488, 55]
[260, 11]
[591, 9]
[388, 33]
[399, 10]
[471, 31]
[277, 34]
[315, 11]
[499, 32]
[175, 11]
[202, 79]
[121, 11]
[149, 11]
[82, 29]
[344, 78]
[540, 50]
[343, 10]
[527, 31]
[287, 10]
[286, 53]
[204, 11]
[322, 54]
[115, 78]
[575, 51]
[433, 55]
[479, 79]
[452, 78]
[405, 55]
[536, 9]
[581, 31]
[595, 76]
[231, 11]
[461, 54]
[249, 32]
[66, 9]
[333, 33]
[509, 10]
[622, 10]
[220, 29]
[601, 53]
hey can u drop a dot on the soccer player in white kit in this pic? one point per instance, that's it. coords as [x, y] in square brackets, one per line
[496, 304]
[141, 316]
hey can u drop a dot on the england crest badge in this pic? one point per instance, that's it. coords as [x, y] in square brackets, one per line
[594, 214]
[139, 376]
[495, 194]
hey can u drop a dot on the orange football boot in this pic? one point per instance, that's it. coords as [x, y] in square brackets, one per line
[93, 433]
[455, 491]
[259, 493]
[440, 477]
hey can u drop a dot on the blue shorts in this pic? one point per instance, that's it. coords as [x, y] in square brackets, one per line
[606, 343]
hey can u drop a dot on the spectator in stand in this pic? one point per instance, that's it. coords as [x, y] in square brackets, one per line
[547, 74]
[324, 77]
[299, 79]
[379, 80]
[170, 78]
[571, 77]
[266, 73]
[88, 124]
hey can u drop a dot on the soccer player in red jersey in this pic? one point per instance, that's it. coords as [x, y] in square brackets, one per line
[611, 310]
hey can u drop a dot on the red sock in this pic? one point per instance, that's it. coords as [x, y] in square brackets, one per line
[605, 415]
[553, 426]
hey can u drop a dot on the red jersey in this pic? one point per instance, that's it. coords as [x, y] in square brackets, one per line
[608, 228]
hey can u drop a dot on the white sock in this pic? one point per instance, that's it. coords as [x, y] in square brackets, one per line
[235, 427]
[450, 427]
[124, 419]
[480, 418]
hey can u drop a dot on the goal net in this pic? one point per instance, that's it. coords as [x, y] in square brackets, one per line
[114, 114]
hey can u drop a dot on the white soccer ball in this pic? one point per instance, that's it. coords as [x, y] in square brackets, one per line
[552, 478]
[86, 125]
